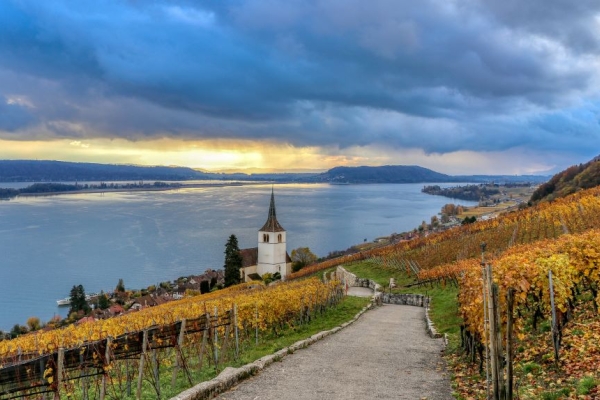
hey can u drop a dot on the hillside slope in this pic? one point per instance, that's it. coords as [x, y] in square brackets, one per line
[571, 180]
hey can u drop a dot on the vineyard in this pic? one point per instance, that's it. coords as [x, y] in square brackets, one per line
[555, 325]
[102, 359]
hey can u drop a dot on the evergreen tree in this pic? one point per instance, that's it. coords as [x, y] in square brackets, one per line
[233, 261]
[120, 286]
[204, 287]
[103, 302]
[78, 301]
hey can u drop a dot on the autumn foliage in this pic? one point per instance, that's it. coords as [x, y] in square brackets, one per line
[277, 306]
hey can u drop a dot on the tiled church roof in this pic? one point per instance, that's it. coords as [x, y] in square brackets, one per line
[272, 225]
[249, 257]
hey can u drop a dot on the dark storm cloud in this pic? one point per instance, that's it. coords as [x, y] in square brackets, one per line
[437, 75]
[573, 23]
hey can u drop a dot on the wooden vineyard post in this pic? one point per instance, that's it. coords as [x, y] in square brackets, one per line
[179, 357]
[128, 378]
[155, 372]
[256, 321]
[497, 338]
[84, 379]
[236, 333]
[485, 320]
[141, 369]
[510, 303]
[59, 372]
[554, 322]
[216, 337]
[42, 371]
[203, 344]
[226, 338]
[492, 333]
[106, 363]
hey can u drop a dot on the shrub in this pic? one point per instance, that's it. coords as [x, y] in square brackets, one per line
[585, 385]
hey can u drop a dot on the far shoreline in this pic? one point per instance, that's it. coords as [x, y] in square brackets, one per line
[142, 189]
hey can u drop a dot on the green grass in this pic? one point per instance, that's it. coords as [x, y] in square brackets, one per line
[377, 273]
[585, 385]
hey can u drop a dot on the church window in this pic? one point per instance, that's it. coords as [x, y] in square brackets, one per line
[266, 238]
[279, 238]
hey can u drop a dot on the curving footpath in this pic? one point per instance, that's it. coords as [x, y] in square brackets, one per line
[385, 354]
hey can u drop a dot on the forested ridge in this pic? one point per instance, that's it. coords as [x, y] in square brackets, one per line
[571, 180]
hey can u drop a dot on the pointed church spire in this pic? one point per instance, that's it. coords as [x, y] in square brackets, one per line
[272, 225]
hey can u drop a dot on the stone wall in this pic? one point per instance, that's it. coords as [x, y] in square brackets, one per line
[418, 300]
[348, 278]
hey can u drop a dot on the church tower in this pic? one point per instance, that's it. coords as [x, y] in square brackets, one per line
[272, 254]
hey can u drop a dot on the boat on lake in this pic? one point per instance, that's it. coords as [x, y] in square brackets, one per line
[67, 300]
[64, 302]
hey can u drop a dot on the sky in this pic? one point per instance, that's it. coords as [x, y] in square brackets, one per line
[462, 87]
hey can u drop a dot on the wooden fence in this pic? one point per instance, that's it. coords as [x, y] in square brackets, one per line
[126, 361]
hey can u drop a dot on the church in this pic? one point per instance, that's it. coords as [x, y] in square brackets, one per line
[271, 254]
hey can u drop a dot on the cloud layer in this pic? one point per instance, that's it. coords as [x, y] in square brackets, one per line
[435, 76]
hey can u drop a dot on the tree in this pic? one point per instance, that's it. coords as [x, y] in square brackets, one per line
[33, 323]
[301, 257]
[18, 330]
[469, 220]
[233, 261]
[120, 286]
[78, 301]
[103, 302]
[204, 286]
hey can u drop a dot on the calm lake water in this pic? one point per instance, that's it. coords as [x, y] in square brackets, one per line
[48, 244]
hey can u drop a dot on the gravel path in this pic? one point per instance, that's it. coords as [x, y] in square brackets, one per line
[386, 354]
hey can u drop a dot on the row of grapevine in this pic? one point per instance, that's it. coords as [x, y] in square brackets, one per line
[276, 306]
[574, 260]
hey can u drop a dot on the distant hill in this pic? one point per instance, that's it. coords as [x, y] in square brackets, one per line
[53, 171]
[384, 174]
[571, 180]
[61, 171]
[411, 174]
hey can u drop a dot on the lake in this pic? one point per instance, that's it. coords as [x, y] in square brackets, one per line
[50, 243]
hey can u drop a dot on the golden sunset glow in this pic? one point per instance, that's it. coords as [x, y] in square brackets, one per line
[249, 156]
